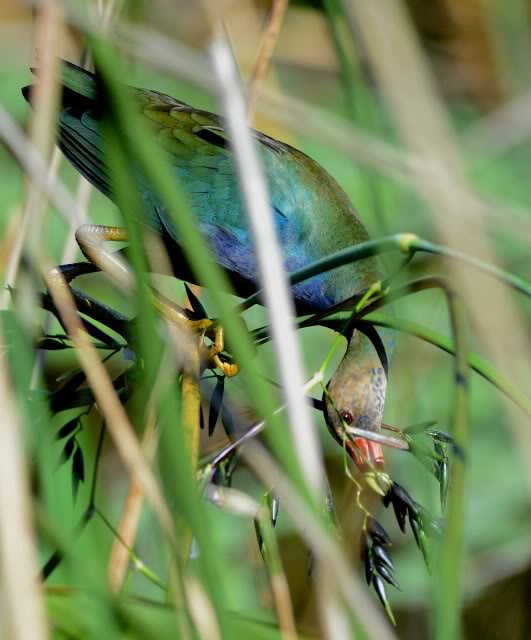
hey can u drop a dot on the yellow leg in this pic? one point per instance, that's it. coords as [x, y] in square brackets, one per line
[91, 239]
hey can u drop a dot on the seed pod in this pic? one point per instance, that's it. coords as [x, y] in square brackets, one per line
[365, 545]
[379, 587]
[400, 513]
[433, 525]
[233, 462]
[416, 528]
[369, 568]
[386, 575]
[259, 538]
[376, 530]
[444, 476]
[424, 547]
[275, 506]
[379, 553]
[440, 435]
[403, 496]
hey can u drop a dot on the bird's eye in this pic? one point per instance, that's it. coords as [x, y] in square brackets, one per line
[347, 417]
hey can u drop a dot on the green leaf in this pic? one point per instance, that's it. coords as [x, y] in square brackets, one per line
[427, 457]
[420, 427]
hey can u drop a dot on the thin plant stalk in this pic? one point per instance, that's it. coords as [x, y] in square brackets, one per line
[130, 517]
[24, 615]
[407, 243]
[277, 577]
[279, 304]
[369, 617]
[266, 47]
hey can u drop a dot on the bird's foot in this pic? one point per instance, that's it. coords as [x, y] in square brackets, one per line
[211, 355]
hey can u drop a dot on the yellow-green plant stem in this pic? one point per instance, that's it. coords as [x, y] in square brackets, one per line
[407, 243]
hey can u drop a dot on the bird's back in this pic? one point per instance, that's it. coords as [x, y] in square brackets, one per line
[313, 215]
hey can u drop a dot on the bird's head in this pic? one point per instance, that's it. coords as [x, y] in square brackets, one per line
[355, 397]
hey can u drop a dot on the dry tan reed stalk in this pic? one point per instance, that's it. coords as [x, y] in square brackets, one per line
[48, 33]
[25, 611]
[130, 517]
[201, 611]
[265, 50]
[179, 343]
[501, 130]
[105, 13]
[276, 295]
[23, 615]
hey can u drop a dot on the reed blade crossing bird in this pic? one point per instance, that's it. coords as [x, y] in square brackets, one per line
[313, 218]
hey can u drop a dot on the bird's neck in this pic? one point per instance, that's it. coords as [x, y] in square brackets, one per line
[360, 381]
[370, 346]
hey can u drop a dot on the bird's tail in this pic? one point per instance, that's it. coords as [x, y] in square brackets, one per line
[73, 78]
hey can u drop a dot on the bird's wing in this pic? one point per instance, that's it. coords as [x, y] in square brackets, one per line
[198, 150]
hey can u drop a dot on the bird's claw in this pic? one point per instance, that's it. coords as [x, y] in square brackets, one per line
[212, 355]
[228, 369]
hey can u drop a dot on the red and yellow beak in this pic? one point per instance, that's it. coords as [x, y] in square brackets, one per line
[368, 456]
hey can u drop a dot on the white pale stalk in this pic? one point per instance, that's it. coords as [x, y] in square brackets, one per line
[23, 615]
[273, 279]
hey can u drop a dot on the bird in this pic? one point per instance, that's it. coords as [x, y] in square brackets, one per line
[312, 214]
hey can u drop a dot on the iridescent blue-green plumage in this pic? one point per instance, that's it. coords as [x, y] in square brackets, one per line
[313, 215]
